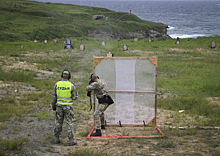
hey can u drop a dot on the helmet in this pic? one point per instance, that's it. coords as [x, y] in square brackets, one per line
[66, 73]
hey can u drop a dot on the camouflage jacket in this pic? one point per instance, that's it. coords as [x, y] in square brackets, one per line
[54, 94]
[100, 88]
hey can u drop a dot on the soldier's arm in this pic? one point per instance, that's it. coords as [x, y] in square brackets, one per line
[91, 87]
[54, 98]
[74, 92]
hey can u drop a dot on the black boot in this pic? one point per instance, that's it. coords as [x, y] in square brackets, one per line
[72, 142]
[57, 140]
[103, 127]
[97, 133]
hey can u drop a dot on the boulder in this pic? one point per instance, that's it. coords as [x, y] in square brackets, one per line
[165, 25]
[97, 17]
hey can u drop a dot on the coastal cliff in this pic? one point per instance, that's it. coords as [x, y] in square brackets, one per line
[124, 35]
[150, 33]
[30, 20]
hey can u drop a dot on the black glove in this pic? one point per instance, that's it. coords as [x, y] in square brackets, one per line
[89, 94]
[90, 81]
[54, 108]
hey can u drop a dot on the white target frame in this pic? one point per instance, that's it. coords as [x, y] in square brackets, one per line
[132, 83]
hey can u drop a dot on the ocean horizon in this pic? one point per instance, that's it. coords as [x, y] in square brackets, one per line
[186, 19]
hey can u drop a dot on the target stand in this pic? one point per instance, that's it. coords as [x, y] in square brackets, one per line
[132, 84]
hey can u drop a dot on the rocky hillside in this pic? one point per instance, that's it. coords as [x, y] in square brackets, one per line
[122, 35]
[29, 20]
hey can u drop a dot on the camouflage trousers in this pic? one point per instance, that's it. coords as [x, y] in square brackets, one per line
[99, 116]
[61, 112]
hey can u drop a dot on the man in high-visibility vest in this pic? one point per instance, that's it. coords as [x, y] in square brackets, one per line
[63, 94]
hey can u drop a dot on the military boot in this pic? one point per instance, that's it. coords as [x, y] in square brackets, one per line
[97, 133]
[57, 140]
[72, 142]
[103, 127]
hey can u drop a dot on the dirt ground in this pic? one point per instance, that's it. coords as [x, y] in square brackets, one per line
[41, 140]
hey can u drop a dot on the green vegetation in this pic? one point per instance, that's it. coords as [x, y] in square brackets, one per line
[86, 152]
[3, 126]
[84, 134]
[29, 20]
[188, 76]
[42, 115]
[188, 73]
[194, 105]
[14, 144]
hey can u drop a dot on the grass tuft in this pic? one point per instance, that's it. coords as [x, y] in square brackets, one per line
[42, 115]
[15, 144]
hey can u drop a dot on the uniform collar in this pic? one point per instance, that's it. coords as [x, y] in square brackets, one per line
[65, 80]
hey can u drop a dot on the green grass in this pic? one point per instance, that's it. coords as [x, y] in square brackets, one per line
[194, 105]
[15, 144]
[42, 115]
[8, 108]
[15, 76]
[188, 73]
[167, 143]
[3, 126]
[29, 20]
[86, 152]
[197, 76]
[84, 134]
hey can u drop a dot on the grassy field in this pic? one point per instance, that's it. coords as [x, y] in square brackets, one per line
[188, 79]
[26, 20]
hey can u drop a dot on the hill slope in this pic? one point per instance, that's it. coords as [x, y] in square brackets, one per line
[28, 20]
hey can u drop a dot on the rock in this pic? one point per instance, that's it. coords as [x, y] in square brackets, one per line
[122, 35]
[155, 34]
[168, 123]
[165, 25]
[97, 17]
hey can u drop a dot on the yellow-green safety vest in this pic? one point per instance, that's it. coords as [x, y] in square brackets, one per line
[64, 93]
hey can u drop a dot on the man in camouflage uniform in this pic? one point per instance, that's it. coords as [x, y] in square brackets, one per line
[63, 94]
[100, 89]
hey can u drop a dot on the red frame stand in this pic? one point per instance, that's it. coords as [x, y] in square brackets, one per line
[126, 136]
